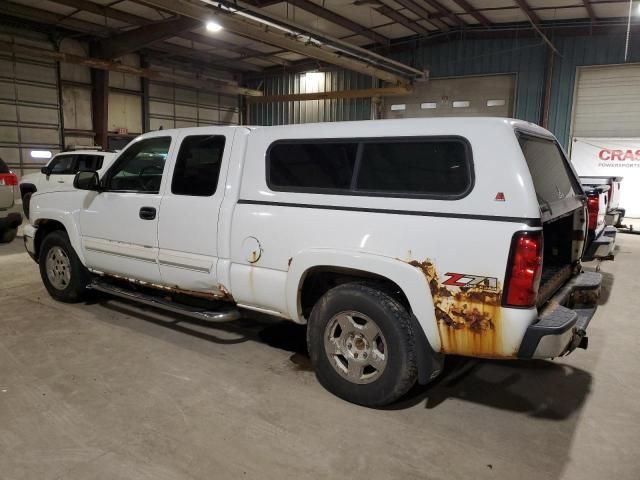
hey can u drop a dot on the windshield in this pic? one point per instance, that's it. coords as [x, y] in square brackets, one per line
[551, 175]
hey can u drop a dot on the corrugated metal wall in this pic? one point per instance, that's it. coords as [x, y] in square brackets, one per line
[29, 107]
[311, 110]
[580, 51]
[526, 57]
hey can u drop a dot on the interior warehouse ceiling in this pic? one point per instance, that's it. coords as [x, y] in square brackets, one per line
[268, 34]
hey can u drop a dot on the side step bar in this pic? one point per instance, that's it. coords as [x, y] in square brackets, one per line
[228, 315]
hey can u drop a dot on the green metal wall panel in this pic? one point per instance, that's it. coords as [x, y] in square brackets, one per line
[581, 51]
[526, 57]
[281, 113]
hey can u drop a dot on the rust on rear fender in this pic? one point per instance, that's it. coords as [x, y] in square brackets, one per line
[469, 318]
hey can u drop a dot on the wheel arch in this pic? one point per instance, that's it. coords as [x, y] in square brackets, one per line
[413, 289]
[47, 225]
[27, 188]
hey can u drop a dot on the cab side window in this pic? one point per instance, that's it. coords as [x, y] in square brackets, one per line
[89, 162]
[139, 168]
[198, 165]
[62, 165]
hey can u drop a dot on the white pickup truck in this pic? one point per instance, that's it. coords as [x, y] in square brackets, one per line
[395, 241]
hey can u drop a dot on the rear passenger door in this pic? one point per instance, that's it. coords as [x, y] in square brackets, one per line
[188, 227]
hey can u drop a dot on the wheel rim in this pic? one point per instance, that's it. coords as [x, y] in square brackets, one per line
[58, 268]
[355, 347]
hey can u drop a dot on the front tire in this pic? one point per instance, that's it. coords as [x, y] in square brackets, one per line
[362, 345]
[63, 275]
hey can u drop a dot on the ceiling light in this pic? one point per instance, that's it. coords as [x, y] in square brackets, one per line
[213, 26]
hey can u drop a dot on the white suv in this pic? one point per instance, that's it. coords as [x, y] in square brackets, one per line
[58, 174]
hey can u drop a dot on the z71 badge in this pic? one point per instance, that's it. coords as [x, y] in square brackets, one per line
[465, 280]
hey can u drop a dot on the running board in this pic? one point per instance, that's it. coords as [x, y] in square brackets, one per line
[187, 310]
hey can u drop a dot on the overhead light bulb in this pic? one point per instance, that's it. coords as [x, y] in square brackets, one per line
[213, 27]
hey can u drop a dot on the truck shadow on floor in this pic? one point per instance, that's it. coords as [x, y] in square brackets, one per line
[540, 389]
[537, 388]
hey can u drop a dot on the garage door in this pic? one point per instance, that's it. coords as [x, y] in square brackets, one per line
[29, 110]
[607, 101]
[171, 106]
[491, 95]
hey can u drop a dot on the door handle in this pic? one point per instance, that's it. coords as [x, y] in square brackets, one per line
[60, 181]
[147, 213]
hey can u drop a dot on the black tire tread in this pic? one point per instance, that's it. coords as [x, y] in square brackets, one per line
[80, 276]
[409, 374]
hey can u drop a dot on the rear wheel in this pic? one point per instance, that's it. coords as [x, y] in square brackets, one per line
[63, 275]
[361, 345]
[8, 235]
[26, 201]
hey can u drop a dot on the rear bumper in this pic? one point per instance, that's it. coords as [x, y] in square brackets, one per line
[562, 323]
[601, 247]
[12, 220]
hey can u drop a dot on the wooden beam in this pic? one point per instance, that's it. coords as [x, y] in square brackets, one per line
[402, 20]
[530, 14]
[132, 40]
[344, 22]
[362, 93]
[234, 24]
[217, 85]
[590, 10]
[423, 13]
[468, 8]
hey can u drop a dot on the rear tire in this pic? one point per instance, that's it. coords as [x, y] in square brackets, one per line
[8, 235]
[26, 201]
[362, 345]
[63, 275]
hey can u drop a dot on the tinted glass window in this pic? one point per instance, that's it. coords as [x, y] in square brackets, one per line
[552, 178]
[139, 168]
[3, 167]
[62, 165]
[89, 162]
[323, 165]
[415, 167]
[198, 165]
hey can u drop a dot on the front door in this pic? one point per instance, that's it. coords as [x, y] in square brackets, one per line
[61, 172]
[188, 228]
[119, 225]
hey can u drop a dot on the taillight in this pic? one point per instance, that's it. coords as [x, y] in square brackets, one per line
[525, 268]
[8, 179]
[593, 208]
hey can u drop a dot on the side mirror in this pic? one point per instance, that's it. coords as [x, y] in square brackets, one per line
[45, 170]
[87, 180]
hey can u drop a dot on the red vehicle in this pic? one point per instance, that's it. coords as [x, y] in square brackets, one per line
[601, 237]
[9, 221]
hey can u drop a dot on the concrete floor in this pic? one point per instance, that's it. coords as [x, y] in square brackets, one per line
[103, 390]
